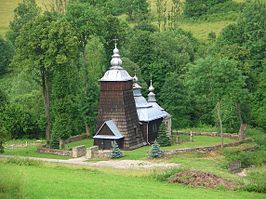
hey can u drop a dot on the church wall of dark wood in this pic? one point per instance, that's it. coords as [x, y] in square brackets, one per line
[106, 144]
[117, 103]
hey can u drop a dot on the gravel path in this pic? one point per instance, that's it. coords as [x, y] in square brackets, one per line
[119, 164]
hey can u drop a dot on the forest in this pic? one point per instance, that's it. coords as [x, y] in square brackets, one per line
[52, 57]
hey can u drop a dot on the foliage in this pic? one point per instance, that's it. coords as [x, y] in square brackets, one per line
[26, 11]
[90, 72]
[160, 53]
[136, 10]
[44, 44]
[197, 8]
[17, 121]
[247, 158]
[249, 33]
[23, 162]
[65, 92]
[114, 28]
[259, 101]
[86, 19]
[6, 54]
[116, 152]
[175, 100]
[257, 180]
[218, 81]
[259, 136]
[155, 151]
[162, 137]
[3, 131]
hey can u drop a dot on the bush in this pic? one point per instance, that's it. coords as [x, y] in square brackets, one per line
[257, 181]
[259, 136]
[197, 8]
[155, 151]
[54, 142]
[247, 158]
[212, 36]
[23, 162]
[162, 137]
[164, 175]
[116, 152]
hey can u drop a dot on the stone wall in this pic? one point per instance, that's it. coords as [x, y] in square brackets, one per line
[205, 148]
[55, 151]
[211, 134]
[78, 151]
[94, 152]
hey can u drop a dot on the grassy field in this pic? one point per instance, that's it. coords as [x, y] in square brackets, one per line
[7, 8]
[31, 151]
[86, 142]
[200, 30]
[58, 181]
[140, 153]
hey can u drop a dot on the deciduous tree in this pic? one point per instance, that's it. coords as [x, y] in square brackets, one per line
[44, 44]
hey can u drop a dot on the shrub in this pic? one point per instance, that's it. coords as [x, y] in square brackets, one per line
[257, 182]
[54, 142]
[164, 175]
[116, 152]
[155, 151]
[212, 36]
[162, 137]
[23, 162]
[258, 136]
[247, 158]
[197, 8]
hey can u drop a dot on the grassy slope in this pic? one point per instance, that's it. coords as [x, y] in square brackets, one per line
[199, 29]
[52, 181]
[6, 12]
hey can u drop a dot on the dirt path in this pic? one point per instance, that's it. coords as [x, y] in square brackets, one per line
[119, 164]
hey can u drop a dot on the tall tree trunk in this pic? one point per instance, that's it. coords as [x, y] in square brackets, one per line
[87, 129]
[218, 110]
[46, 96]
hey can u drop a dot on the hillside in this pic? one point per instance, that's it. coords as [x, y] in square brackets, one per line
[199, 29]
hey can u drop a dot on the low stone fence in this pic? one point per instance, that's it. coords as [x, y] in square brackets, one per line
[211, 134]
[78, 151]
[55, 151]
[94, 152]
[205, 148]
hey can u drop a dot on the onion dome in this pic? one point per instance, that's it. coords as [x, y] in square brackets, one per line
[151, 95]
[116, 72]
[151, 88]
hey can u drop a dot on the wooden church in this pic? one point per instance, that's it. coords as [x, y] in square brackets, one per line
[124, 115]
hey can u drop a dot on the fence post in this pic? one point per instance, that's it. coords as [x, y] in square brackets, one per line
[191, 136]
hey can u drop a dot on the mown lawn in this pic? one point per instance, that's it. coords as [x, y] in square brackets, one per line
[86, 142]
[142, 152]
[58, 181]
[31, 151]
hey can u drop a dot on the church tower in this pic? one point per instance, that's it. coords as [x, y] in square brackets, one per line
[117, 115]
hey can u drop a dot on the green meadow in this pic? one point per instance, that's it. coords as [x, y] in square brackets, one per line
[58, 181]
